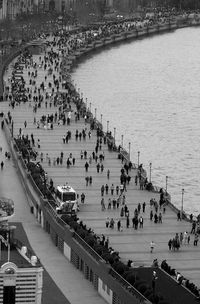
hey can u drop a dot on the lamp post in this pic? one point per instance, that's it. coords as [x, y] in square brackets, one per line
[114, 134]
[166, 183]
[101, 118]
[122, 141]
[182, 192]
[150, 166]
[107, 126]
[86, 103]
[129, 150]
[138, 154]
[90, 107]
[95, 111]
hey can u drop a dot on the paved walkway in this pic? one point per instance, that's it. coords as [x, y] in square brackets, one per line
[68, 279]
[132, 244]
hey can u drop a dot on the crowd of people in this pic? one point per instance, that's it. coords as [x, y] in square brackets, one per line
[38, 97]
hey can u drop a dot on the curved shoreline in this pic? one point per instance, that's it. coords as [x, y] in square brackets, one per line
[101, 44]
[56, 225]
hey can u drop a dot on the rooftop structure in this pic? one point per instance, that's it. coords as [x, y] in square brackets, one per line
[21, 274]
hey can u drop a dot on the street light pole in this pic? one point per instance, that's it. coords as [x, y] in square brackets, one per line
[95, 115]
[150, 165]
[122, 141]
[166, 183]
[101, 118]
[114, 134]
[107, 126]
[138, 158]
[129, 150]
[182, 192]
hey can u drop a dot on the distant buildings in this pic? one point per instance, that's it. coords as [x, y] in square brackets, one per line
[12, 8]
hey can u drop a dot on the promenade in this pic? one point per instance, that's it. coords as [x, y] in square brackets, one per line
[131, 244]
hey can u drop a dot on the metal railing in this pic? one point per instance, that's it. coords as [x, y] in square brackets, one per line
[89, 249]
[127, 286]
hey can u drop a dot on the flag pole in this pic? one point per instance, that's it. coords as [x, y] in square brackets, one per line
[8, 252]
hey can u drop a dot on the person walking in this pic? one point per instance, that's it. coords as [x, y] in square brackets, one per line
[2, 165]
[82, 198]
[119, 225]
[152, 246]
[196, 239]
[102, 204]
[112, 189]
[86, 166]
[141, 221]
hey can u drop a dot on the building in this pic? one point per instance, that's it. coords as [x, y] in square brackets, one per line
[3, 9]
[21, 274]
[11, 8]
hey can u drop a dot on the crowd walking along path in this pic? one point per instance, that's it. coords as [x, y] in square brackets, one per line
[68, 279]
[131, 243]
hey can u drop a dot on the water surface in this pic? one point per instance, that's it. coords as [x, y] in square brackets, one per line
[149, 90]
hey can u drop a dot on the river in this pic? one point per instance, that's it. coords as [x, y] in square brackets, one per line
[149, 90]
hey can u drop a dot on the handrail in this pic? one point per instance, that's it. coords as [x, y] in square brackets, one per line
[88, 247]
[127, 286]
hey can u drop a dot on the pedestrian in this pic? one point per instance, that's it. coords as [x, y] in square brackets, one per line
[185, 236]
[160, 218]
[178, 216]
[109, 204]
[170, 244]
[196, 239]
[193, 227]
[112, 189]
[141, 221]
[106, 244]
[127, 222]
[82, 198]
[102, 204]
[98, 167]
[108, 174]
[152, 246]
[117, 189]
[154, 278]
[102, 190]
[86, 166]
[2, 165]
[112, 223]
[181, 238]
[143, 207]
[107, 222]
[118, 225]
[87, 180]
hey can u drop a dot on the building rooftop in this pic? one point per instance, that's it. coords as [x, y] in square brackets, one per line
[18, 251]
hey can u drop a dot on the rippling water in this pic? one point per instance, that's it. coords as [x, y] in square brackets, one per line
[149, 90]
